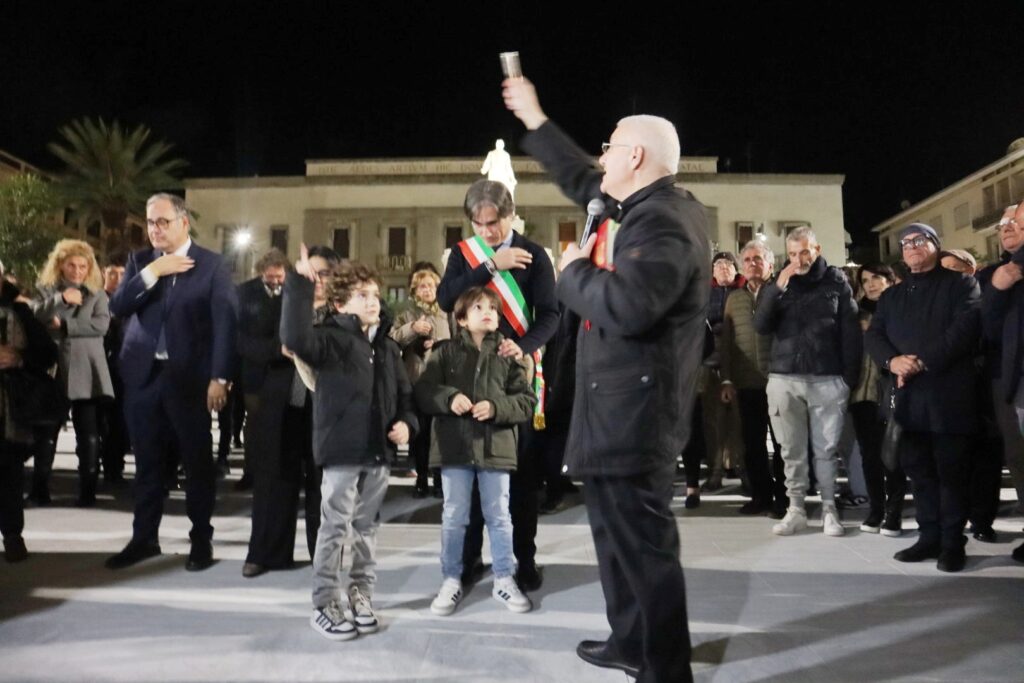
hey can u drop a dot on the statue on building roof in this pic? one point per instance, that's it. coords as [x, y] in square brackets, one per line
[498, 166]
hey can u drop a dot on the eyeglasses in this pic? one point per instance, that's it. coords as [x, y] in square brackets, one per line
[605, 146]
[915, 242]
[161, 223]
[324, 273]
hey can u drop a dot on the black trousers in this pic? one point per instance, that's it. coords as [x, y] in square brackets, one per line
[767, 482]
[696, 447]
[986, 467]
[522, 506]
[637, 545]
[551, 449]
[419, 451]
[939, 468]
[12, 477]
[159, 413]
[115, 431]
[277, 480]
[882, 486]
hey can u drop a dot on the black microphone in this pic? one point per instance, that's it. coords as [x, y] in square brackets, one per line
[594, 209]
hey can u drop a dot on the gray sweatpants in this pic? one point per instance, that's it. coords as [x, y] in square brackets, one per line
[802, 405]
[351, 497]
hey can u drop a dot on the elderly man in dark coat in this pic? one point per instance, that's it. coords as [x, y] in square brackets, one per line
[925, 332]
[640, 285]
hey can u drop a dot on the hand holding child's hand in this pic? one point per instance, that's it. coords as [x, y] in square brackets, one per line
[399, 434]
[484, 410]
[461, 404]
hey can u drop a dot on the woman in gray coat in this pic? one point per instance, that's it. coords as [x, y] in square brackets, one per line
[72, 304]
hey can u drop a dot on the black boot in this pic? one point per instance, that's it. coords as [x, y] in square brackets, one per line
[88, 470]
[892, 521]
[872, 524]
[45, 445]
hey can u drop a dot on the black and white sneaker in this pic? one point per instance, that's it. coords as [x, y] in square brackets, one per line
[362, 611]
[448, 597]
[330, 622]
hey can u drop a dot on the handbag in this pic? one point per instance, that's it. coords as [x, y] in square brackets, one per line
[890, 451]
[35, 398]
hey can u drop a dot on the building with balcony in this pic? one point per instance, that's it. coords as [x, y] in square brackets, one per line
[965, 214]
[393, 213]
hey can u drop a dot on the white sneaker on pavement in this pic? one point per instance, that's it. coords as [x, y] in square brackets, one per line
[507, 593]
[362, 611]
[330, 622]
[448, 597]
[830, 521]
[794, 521]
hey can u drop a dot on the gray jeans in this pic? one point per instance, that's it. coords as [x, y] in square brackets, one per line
[350, 508]
[802, 405]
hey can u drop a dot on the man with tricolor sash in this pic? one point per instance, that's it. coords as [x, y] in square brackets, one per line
[520, 272]
[640, 287]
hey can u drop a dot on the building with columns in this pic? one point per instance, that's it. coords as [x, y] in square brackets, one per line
[392, 213]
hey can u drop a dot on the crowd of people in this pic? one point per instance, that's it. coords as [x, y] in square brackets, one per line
[500, 378]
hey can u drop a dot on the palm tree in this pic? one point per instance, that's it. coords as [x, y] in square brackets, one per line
[111, 171]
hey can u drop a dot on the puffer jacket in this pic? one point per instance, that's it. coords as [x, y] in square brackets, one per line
[458, 367]
[814, 324]
[745, 354]
[361, 386]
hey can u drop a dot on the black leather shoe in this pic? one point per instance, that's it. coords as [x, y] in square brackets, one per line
[1018, 553]
[601, 653]
[133, 553]
[692, 501]
[985, 534]
[951, 560]
[529, 578]
[14, 549]
[200, 557]
[918, 553]
[251, 569]
[754, 507]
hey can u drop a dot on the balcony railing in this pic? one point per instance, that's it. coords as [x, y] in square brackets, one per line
[394, 264]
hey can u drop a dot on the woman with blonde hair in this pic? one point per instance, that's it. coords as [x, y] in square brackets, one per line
[417, 329]
[73, 306]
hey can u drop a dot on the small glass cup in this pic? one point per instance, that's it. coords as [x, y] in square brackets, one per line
[510, 65]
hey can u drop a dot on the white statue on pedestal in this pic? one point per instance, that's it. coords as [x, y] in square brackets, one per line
[498, 166]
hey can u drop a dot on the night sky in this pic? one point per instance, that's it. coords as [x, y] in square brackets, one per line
[904, 98]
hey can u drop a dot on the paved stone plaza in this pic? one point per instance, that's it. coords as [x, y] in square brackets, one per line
[762, 608]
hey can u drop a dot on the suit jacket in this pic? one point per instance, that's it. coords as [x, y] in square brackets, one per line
[197, 310]
[537, 283]
[259, 343]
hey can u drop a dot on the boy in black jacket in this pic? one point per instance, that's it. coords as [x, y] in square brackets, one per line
[362, 409]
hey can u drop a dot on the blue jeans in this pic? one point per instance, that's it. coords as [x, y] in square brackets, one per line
[457, 483]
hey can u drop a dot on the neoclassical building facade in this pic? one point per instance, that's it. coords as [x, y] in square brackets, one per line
[392, 213]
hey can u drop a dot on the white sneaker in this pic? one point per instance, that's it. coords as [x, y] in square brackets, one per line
[830, 521]
[447, 597]
[794, 521]
[507, 593]
[331, 623]
[362, 611]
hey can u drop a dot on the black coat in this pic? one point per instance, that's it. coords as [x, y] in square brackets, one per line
[932, 315]
[361, 389]
[259, 341]
[537, 283]
[1001, 315]
[638, 360]
[813, 324]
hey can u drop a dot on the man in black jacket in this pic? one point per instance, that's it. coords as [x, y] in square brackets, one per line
[489, 206]
[1002, 316]
[925, 332]
[640, 286]
[816, 356]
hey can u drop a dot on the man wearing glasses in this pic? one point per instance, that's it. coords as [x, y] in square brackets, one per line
[925, 333]
[180, 308]
[640, 285]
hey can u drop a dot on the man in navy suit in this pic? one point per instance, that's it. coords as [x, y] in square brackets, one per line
[180, 309]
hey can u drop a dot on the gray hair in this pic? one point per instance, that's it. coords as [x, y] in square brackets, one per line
[766, 252]
[176, 202]
[484, 193]
[658, 137]
[804, 232]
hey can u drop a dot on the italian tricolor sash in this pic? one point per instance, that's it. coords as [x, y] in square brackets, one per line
[513, 307]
